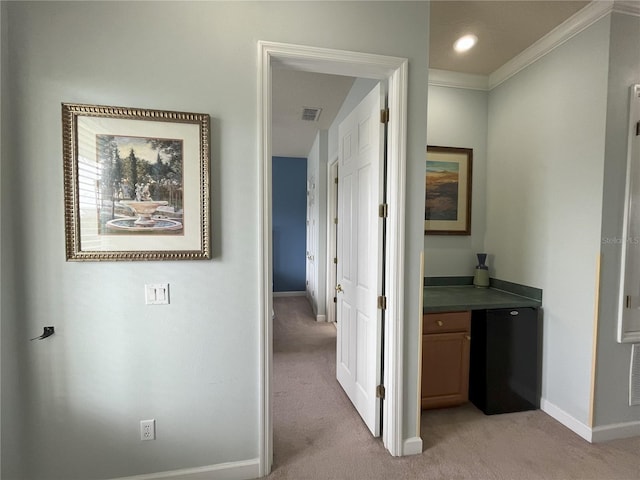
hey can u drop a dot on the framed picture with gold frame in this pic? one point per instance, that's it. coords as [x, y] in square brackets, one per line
[448, 191]
[136, 183]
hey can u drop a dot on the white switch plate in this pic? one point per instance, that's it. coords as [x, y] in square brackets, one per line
[156, 294]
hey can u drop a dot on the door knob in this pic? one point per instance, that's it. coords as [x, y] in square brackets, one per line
[339, 288]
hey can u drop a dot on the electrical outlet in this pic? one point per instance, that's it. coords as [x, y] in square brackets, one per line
[147, 429]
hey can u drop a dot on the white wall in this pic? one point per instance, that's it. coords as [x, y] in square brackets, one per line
[612, 381]
[317, 175]
[457, 117]
[193, 365]
[544, 200]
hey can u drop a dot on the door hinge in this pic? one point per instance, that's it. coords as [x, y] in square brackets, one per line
[335, 220]
[384, 115]
[382, 302]
[380, 392]
[335, 299]
[383, 210]
[335, 260]
[335, 180]
[632, 302]
[638, 129]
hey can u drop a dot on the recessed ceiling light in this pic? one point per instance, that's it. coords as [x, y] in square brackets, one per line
[465, 43]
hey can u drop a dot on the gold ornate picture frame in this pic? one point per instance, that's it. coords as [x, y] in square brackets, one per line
[136, 183]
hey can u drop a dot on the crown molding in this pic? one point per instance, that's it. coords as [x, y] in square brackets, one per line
[629, 7]
[469, 81]
[569, 28]
[575, 24]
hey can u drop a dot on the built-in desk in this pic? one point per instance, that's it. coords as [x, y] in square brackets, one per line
[501, 355]
[468, 297]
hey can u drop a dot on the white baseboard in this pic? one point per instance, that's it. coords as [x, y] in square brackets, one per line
[412, 446]
[603, 433]
[567, 420]
[244, 470]
[616, 430]
[290, 294]
[321, 318]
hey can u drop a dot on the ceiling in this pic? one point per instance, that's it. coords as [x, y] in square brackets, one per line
[504, 29]
[292, 92]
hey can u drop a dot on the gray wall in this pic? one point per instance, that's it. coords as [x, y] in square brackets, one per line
[78, 397]
[12, 357]
[457, 117]
[544, 200]
[612, 380]
[555, 174]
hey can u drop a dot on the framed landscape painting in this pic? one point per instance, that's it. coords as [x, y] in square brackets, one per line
[136, 183]
[448, 191]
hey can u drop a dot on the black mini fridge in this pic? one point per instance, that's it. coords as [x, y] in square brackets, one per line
[505, 363]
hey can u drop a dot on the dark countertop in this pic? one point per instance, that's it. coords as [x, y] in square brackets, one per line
[459, 298]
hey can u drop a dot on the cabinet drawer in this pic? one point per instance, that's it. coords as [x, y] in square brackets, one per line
[446, 322]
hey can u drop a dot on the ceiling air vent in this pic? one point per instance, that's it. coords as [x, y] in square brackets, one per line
[311, 114]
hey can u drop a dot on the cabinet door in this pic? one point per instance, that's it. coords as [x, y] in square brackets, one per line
[445, 369]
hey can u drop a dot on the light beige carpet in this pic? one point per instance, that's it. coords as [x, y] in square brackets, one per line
[319, 435]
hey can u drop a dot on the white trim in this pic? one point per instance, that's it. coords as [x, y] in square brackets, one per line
[616, 431]
[412, 446]
[393, 414]
[243, 470]
[575, 24]
[332, 212]
[354, 64]
[599, 434]
[565, 419]
[265, 267]
[321, 318]
[446, 78]
[627, 7]
[302, 293]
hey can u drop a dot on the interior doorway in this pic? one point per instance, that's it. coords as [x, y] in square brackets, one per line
[394, 71]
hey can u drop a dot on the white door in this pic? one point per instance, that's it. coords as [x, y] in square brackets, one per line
[360, 178]
[311, 244]
[332, 240]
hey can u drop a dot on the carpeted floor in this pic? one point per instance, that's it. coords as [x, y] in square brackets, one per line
[319, 435]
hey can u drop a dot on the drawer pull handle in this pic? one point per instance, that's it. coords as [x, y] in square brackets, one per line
[468, 337]
[440, 323]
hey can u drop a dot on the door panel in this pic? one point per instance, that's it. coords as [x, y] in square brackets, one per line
[359, 271]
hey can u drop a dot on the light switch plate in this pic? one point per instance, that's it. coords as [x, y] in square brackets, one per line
[156, 294]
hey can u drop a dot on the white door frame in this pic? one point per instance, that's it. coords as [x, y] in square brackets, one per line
[332, 213]
[353, 64]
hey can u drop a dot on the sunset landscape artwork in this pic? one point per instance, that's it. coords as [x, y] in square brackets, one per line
[442, 190]
[448, 174]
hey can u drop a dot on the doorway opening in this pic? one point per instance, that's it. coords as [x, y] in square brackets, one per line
[394, 71]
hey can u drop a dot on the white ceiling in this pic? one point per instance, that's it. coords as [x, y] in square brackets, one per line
[504, 29]
[293, 91]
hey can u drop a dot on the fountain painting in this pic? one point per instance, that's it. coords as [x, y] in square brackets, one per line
[140, 187]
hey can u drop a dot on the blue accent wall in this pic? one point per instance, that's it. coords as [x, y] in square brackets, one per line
[289, 204]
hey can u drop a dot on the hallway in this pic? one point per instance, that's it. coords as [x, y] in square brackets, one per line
[316, 428]
[319, 435]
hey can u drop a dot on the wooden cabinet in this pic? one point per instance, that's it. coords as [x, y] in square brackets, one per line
[445, 359]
